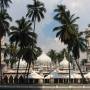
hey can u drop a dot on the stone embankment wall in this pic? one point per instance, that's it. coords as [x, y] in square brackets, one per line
[45, 87]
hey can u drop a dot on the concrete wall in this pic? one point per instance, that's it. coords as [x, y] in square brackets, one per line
[44, 87]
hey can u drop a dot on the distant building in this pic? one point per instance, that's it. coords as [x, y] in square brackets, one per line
[87, 33]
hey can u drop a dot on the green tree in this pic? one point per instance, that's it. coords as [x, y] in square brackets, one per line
[68, 31]
[23, 36]
[36, 11]
[53, 55]
[10, 52]
[4, 4]
[38, 51]
[79, 44]
[29, 56]
[4, 26]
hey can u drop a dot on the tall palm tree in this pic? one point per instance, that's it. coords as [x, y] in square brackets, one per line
[36, 11]
[67, 31]
[4, 16]
[79, 44]
[4, 26]
[22, 35]
[4, 4]
[68, 27]
[29, 56]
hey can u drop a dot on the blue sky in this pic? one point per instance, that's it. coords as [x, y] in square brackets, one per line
[46, 38]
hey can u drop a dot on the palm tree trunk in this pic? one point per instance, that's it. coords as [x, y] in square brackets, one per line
[18, 68]
[33, 41]
[0, 52]
[69, 72]
[69, 67]
[0, 62]
[25, 70]
[34, 25]
[28, 71]
[83, 79]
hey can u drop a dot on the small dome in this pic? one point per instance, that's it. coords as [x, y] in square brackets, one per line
[44, 59]
[64, 64]
[22, 64]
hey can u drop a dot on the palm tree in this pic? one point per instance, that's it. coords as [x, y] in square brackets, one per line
[10, 52]
[4, 26]
[36, 11]
[4, 4]
[29, 56]
[53, 55]
[68, 31]
[79, 44]
[22, 35]
[68, 28]
[38, 51]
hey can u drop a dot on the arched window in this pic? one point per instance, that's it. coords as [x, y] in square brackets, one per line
[5, 79]
[16, 80]
[11, 79]
[21, 80]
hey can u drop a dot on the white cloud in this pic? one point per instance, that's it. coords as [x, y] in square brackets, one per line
[51, 43]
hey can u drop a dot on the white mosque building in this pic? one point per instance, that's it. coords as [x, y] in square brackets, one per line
[44, 69]
[43, 66]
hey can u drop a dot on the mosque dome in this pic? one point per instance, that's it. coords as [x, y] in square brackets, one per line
[44, 59]
[64, 64]
[22, 64]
